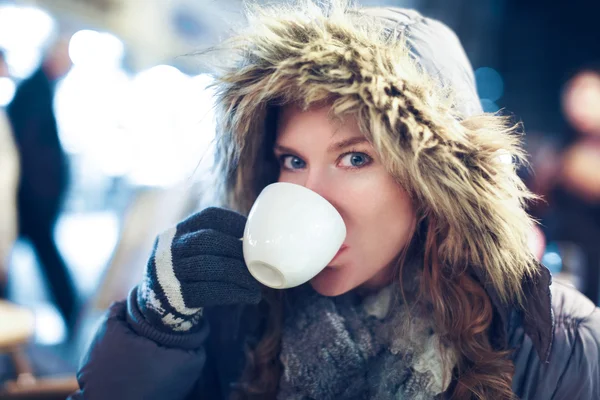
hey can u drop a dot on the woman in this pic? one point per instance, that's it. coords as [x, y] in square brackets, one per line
[436, 293]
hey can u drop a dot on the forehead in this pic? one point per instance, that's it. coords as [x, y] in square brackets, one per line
[314, 123]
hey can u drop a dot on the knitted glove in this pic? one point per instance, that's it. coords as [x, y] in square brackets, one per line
[198, 263]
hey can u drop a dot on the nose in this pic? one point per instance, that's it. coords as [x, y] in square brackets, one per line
[319, 182]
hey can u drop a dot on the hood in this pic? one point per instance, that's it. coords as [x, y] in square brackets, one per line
[408, 81]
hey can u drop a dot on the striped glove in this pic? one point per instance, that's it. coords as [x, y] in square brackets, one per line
[199, 263]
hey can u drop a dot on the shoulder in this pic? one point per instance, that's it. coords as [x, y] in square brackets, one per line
[577, 341]
[573, 368]
[573, 310]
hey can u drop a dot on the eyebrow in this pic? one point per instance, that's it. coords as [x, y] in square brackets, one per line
[353, 141]
[282, 149]
[341, 145]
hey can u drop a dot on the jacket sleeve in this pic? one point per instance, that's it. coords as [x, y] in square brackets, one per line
[573, 368]
[128, 359]
[580, 379]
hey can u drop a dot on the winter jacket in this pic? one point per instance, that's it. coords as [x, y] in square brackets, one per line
[555, 343]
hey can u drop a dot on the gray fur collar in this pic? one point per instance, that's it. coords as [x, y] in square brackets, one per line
[353, 348]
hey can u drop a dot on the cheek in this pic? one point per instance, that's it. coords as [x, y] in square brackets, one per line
[380, 218]
[379, 202]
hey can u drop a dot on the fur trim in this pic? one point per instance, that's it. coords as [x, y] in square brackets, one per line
[460, 170]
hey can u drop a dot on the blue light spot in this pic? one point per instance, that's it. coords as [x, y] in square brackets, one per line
[489, 84]
[489, 106]
[552, 258]
[187, 24]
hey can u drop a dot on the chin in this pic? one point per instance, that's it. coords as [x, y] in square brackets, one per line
[331, 282]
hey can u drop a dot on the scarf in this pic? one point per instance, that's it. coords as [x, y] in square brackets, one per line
[348, 347]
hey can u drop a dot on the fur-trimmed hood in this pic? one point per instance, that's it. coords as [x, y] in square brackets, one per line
[409, 83]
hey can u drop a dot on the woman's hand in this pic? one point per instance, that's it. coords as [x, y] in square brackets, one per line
[198, 263]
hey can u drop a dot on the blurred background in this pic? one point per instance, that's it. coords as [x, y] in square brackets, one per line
[106, 127]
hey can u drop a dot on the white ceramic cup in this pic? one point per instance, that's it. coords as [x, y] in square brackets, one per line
[291, 235]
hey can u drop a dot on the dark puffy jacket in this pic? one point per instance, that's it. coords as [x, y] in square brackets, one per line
[556, 342]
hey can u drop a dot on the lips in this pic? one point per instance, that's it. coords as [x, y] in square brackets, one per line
[340, 251]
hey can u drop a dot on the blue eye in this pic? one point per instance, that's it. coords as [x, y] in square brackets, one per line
[292, 162]
[355, 160]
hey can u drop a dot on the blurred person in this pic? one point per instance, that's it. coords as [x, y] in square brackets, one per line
[581, 170]
[44, 172]
[575, 197]
[581, 160]
[436, 292]
[581, 102]
[566, 176]
[9, 178]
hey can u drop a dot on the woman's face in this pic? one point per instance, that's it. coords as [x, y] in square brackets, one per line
[336, 161]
